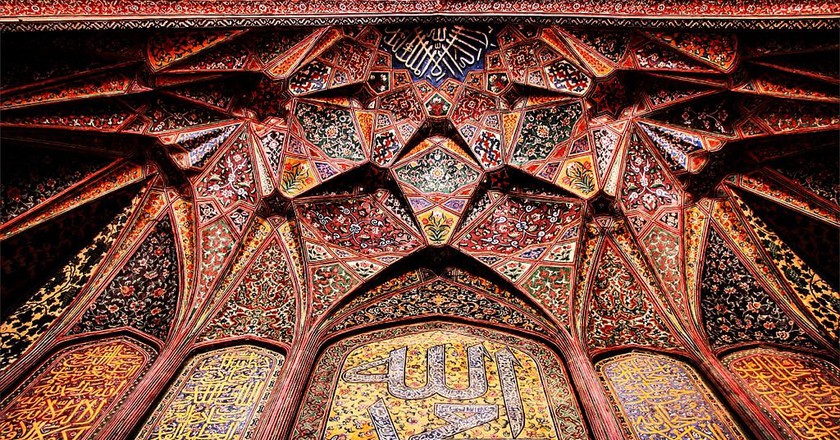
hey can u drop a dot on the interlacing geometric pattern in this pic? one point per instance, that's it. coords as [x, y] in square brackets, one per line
[499, 229]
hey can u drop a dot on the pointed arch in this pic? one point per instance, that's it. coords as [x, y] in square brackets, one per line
[505, 371]
[800, 392]
[74, 391]
[228, 386]
[658, 396]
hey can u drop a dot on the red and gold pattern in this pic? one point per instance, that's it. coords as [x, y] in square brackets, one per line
[801, 392]
[75, 390]
[601, 179]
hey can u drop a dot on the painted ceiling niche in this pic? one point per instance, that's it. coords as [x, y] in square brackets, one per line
[305, 225]
[662, 397]
[799, 381]
[438, 178]
[439, 380]
[248, 374]
[75, 390]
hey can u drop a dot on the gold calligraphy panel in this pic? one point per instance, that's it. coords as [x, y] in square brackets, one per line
[74, 391]
[219, 395]
[662, 398]
[801, 392]
[443, 384]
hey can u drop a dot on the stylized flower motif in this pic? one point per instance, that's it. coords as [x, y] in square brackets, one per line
[437, 227]
[580, 175]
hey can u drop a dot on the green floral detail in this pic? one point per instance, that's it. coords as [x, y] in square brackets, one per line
[437, 172]
[543, 129]
[294, 178]
[550, 285]
[331, 129]
[437, 227]
[329, 283]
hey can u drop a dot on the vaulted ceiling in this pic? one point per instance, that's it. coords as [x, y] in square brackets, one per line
[627, 188]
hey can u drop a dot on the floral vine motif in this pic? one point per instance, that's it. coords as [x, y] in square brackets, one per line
[736, 308]
[611, 45]
[471, 106]
[714, 115]
[170, 48]
[359, 224]
[719, 50]
[437, 171]
[543, 129]
[676, 146]
[329, 282]
[311, 77]
[263, 304]
[579, 175]
[621, 312]
[403, 105]
[295, 177]
[144, 293]
[169, 114]
[232, 178]
[517, 224]
[331, 129]
[439, 297]
[645, 183]
[26, 186]
[24, 326]
[789, 115]
[818, 297]
[817, 173]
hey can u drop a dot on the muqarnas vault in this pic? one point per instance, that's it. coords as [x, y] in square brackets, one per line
[558, 229]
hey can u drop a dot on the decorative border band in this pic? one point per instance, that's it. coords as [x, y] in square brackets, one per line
[40, 24]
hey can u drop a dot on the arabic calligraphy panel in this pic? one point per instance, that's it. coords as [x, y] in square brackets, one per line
[72, 393]
[219, 395]
[437, 53]
[661, 398]
[434, 381]
[801, 392]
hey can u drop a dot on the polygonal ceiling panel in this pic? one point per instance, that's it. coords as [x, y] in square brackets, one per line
[438, 178]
